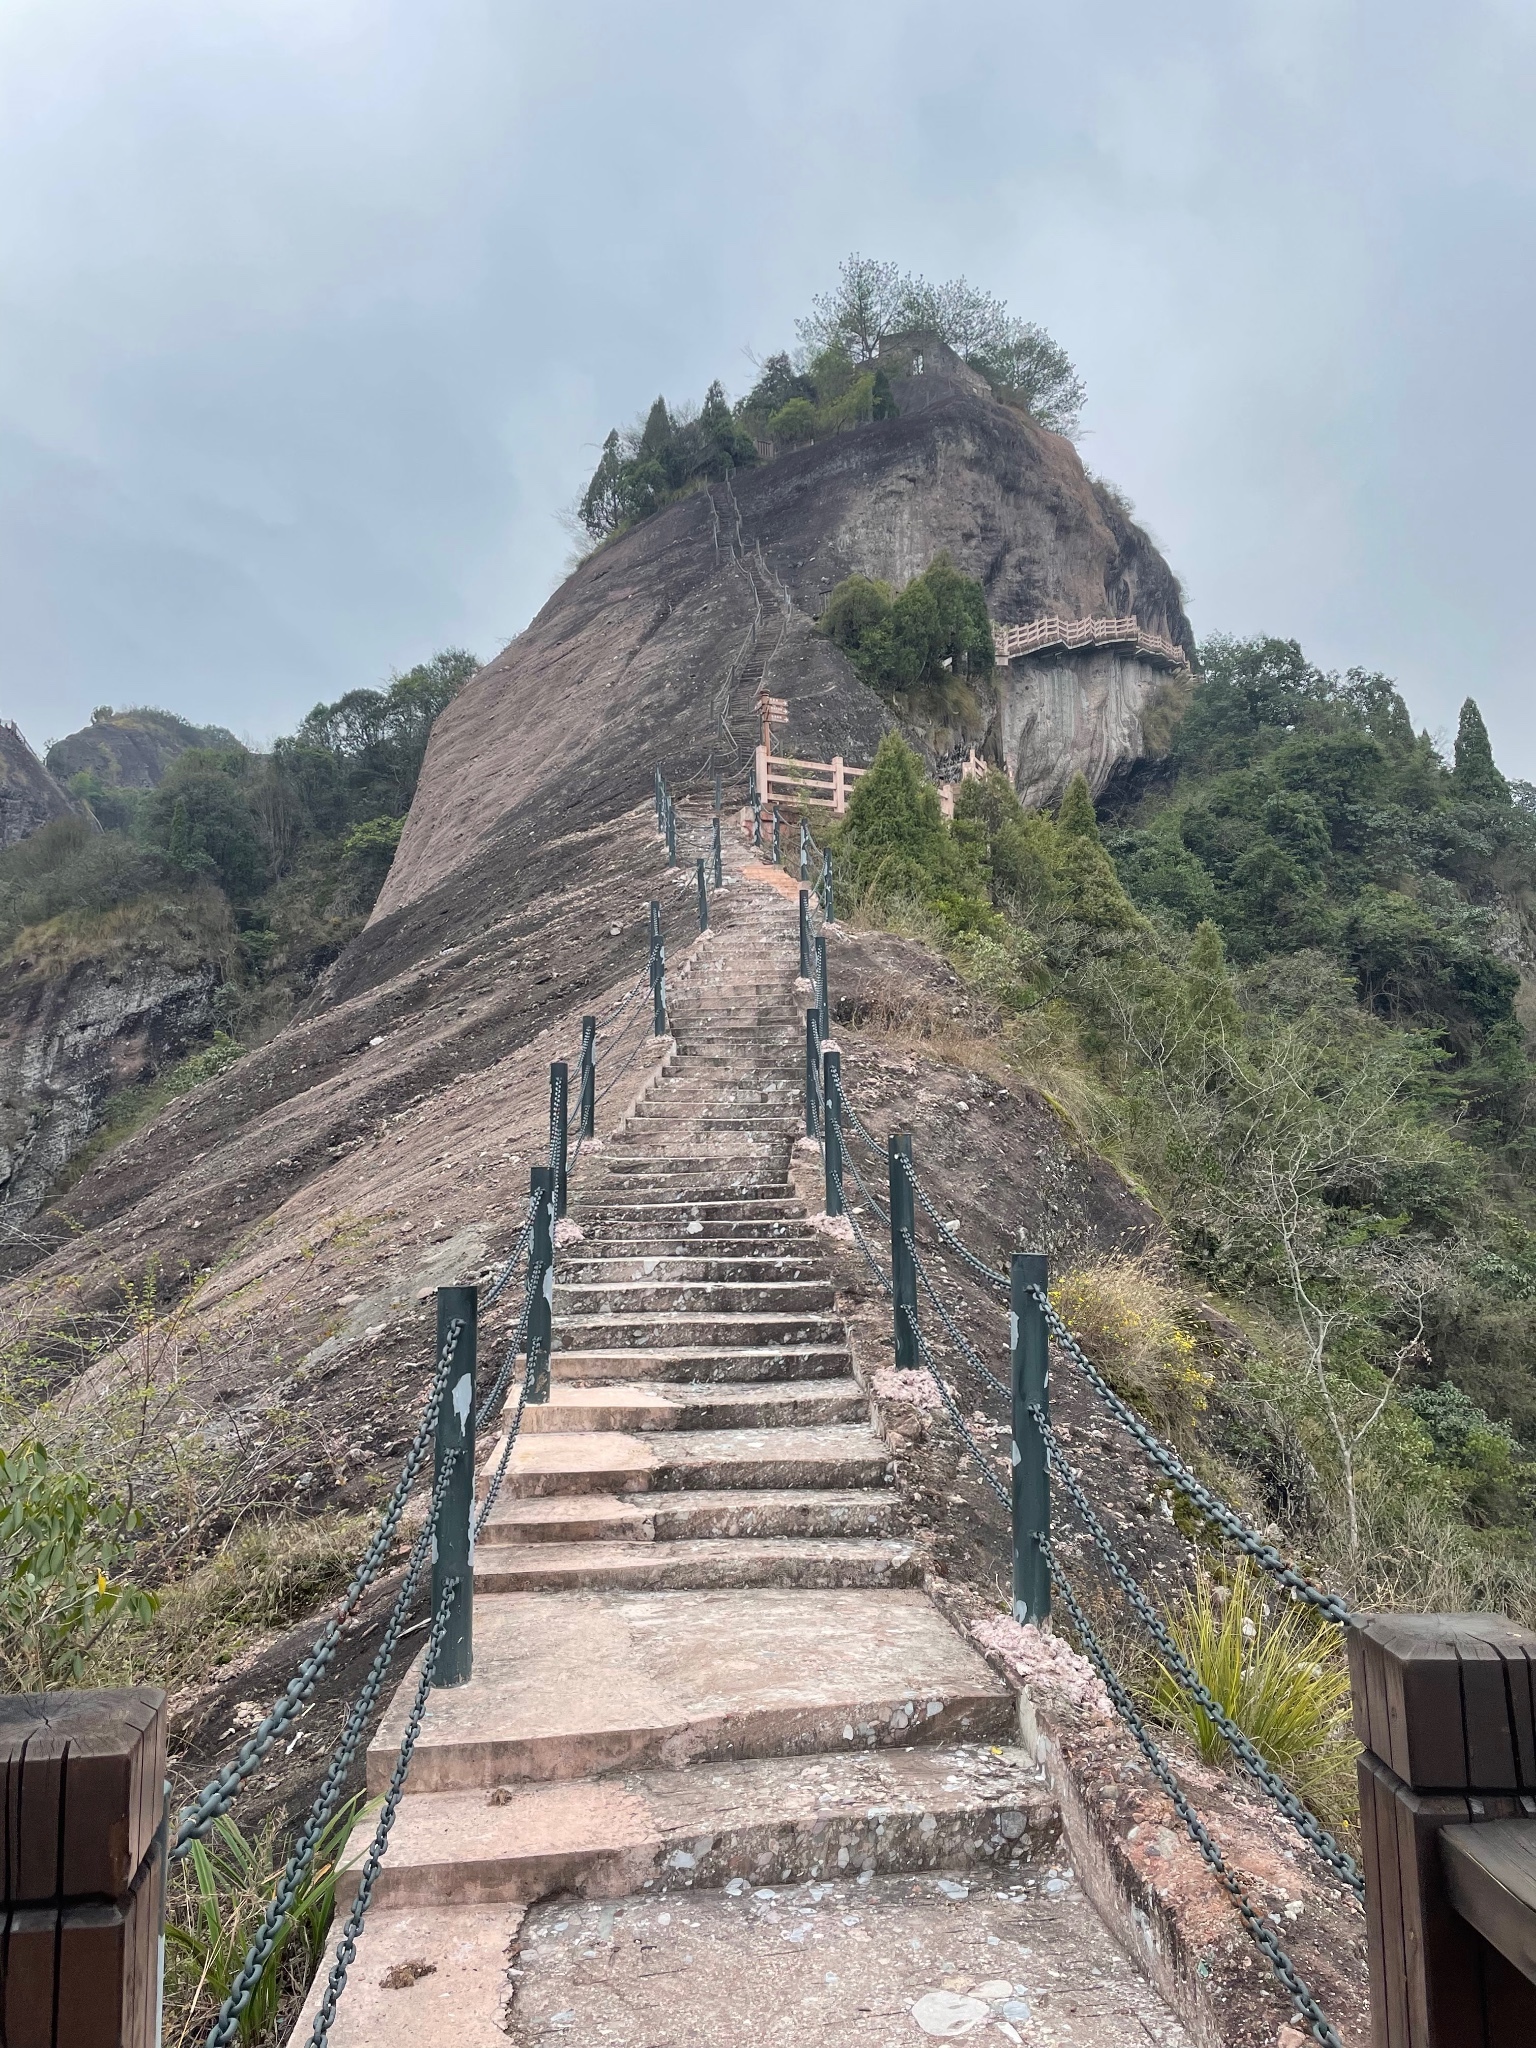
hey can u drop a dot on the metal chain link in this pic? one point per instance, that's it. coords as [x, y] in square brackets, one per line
[227, 2026]
[495, 1292]
[497, 1392]
[952, 1405]
[346, 1948]
[859, 1238]
[972, 1357]
[962, 1251]
[1173, 1467]
[1300, 1816]
[1275, 1955]
[221, 1791]
[873, 1143]
[883, 1214]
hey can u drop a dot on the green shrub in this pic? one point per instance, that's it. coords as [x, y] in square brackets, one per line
[1277, 1674]
[61, 1542]
[1126, 1317]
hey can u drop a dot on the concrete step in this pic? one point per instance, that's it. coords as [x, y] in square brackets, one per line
[677, 1266]
[652, 1332]
[579, 1299]
[701, 1363]
[606, 1228]
[688, 1209]
[728, 1561]
[566, 1684]
[778, 1820]
[568, 1518]
[612, 1461]
[673, 1404]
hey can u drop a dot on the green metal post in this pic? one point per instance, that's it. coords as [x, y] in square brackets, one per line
[757, 821]
[821, 985]
[805, 935]
[670, 827]
[587, 1107]
[659, 801]
[812, 1071]
[559, 1126]
[832, 1086]
[805, 851]
[1031, 1356]
[453, 1550]
[826, 887]
[715, 847]
[703, 898]
[541, 1261]
[778, 858]
[717, 795]
[658, 973]
[903, 1269]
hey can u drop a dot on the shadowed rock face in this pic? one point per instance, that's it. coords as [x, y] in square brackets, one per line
[29, 796]
[652, 650]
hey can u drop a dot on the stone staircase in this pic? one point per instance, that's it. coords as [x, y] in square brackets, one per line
[703, 1654]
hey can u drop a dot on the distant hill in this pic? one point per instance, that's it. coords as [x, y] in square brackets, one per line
[131, 749]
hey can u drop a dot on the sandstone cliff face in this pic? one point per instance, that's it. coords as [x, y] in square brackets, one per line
[29, 796]
[131, 749]
[652, 650]
[1078, 711]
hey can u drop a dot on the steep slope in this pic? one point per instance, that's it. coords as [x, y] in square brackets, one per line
[653, 648]
[29, 796]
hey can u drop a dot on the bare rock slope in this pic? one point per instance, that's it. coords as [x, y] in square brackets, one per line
[653, 649]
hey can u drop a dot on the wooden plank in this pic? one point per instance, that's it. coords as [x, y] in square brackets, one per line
[1383, 1907]
[1490, 1872]
[1442, 1969]
[81, 1777]
[1490, 1739]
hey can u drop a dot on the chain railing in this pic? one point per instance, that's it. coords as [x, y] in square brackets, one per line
[1037, 1457]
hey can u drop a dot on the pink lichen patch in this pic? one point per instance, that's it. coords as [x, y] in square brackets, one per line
[916, 1389]
[1043, 1663]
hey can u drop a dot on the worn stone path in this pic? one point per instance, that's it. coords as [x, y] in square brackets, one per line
[710, 1697]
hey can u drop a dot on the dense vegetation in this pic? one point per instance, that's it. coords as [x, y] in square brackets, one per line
[936, 627]
[1280, 992]
[289, 849]
[832, 382]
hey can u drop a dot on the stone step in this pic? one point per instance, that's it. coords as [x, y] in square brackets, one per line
[678, 1266]
[613, 1461]
[728, 1561]
[771, 1820]
[702, 1362]
[700, 1514]
[606, 1229]
[687, 1209]
[580, 1299]
[673, 1404]
[652, 1332]
[566, 1684]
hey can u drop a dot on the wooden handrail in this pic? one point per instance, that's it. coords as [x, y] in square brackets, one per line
[1039, 634]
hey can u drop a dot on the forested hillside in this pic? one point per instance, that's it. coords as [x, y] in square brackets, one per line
[1282, 987]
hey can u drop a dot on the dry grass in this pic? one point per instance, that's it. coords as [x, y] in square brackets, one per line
[1127, 1319]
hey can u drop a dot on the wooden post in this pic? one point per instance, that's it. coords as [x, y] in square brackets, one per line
[83, 1868]
[1445, 1705]
[839, 787]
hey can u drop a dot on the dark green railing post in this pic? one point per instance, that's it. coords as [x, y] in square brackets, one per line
[805, 935]
[703, 898]
[822, 1002]
[778, 858]
[541, 1263]
[832, 1126]
[812, 1070]
[670, 827]
[715, 842]
[757, 821]
[826, 887]
[1030, 1347]
[658, 973]
[805, 851]
[659, 802]
[903, 1268]
[452, 1549]
[587, 1104]
[717, 795]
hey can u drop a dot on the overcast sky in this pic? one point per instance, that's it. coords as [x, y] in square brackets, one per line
[314, 313]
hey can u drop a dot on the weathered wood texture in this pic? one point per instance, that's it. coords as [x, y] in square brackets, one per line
[1490, 1873]
[82, 1776]
[1446, 1708]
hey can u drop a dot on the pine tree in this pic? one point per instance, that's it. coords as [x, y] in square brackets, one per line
[1077, 817]
[1477, 775]
[180, 846]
